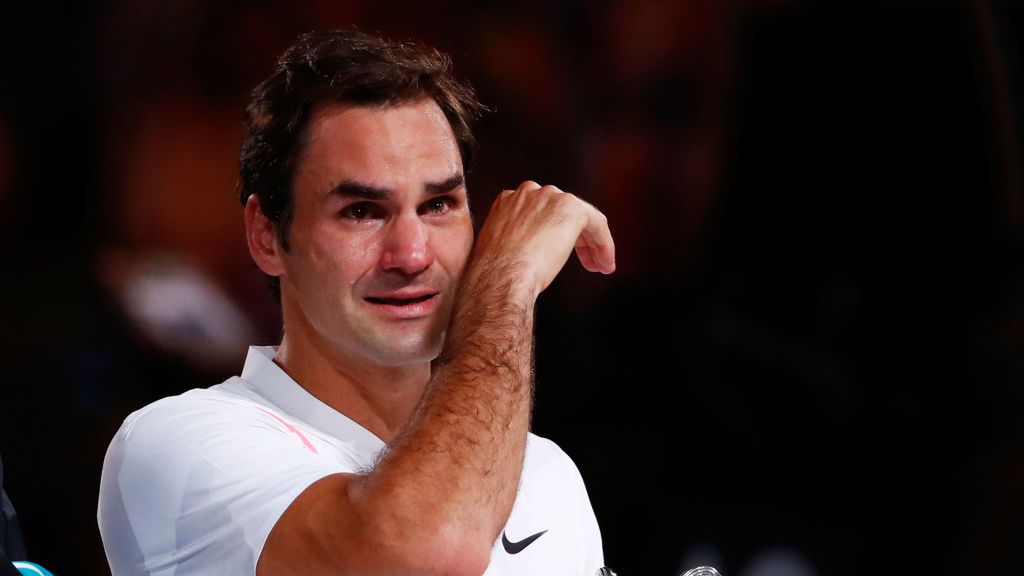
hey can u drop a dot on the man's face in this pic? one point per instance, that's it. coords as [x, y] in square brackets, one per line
[380, 233]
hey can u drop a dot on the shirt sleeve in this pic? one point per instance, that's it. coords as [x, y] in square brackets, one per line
[195, 486]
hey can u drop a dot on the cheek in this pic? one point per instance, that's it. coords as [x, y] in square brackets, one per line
[353, 260]
[339, 258]
[453, 245]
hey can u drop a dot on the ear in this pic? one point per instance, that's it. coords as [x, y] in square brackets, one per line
[261, 234]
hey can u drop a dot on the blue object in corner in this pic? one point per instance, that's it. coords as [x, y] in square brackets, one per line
[31, 568]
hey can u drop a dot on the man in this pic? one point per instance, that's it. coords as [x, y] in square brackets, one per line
[389, 431]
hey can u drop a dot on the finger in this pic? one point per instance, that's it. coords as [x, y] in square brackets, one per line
[595, 246]
[595, 259]
[586, 256]
[528, 185]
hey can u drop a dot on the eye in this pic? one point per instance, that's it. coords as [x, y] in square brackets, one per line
[357, 211]
[439, 205]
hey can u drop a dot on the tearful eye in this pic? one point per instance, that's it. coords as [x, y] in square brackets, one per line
[356, 212]
[441, 204]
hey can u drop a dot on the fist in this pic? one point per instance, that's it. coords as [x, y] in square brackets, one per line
[535, 228]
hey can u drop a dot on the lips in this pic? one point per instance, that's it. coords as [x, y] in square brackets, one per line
[404, 305]
[400, 301]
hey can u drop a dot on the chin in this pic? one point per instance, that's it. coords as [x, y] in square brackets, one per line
[417, 352]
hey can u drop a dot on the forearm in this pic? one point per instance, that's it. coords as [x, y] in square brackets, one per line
[437, 499]
[460, 457]
[458, 461]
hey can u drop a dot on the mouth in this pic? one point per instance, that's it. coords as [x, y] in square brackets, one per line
[399, 301]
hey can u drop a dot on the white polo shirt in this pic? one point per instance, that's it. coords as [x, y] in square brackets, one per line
[193, 484]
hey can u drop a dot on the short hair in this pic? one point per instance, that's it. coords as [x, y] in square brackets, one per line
[339, 67]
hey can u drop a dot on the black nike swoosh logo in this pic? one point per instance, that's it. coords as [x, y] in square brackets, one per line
[517, 547]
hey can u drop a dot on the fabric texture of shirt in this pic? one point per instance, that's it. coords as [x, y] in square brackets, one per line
[193, 484]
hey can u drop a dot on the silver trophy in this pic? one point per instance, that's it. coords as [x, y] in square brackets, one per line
[702, 571]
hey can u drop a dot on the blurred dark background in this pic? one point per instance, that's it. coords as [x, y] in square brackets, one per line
[809, 362]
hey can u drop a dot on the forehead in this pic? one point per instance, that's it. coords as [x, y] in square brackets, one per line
[373, 143]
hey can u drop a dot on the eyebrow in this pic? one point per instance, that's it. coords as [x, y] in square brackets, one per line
[352, 189]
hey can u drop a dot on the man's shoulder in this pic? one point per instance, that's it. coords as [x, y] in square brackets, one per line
[221, 398]
[218, 427]
[189, 418]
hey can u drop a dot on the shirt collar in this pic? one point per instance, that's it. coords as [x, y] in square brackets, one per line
[271, 382]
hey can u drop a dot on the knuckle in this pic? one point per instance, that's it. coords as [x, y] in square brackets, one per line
[528, 185]
[564, 199]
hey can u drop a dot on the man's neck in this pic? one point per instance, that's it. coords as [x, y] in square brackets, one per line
[379, 398]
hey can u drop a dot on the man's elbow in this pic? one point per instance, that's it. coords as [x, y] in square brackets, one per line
[468, 557]
[435, 550]
[463, 561]
[372, 550]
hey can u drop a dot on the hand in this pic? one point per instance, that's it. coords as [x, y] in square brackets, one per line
[535, 228]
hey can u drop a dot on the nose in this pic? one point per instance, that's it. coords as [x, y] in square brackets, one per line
[406, 245]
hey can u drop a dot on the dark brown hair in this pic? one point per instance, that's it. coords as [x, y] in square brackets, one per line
[339, 67]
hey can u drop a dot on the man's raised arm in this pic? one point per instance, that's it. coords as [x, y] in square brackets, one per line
[438, 498]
